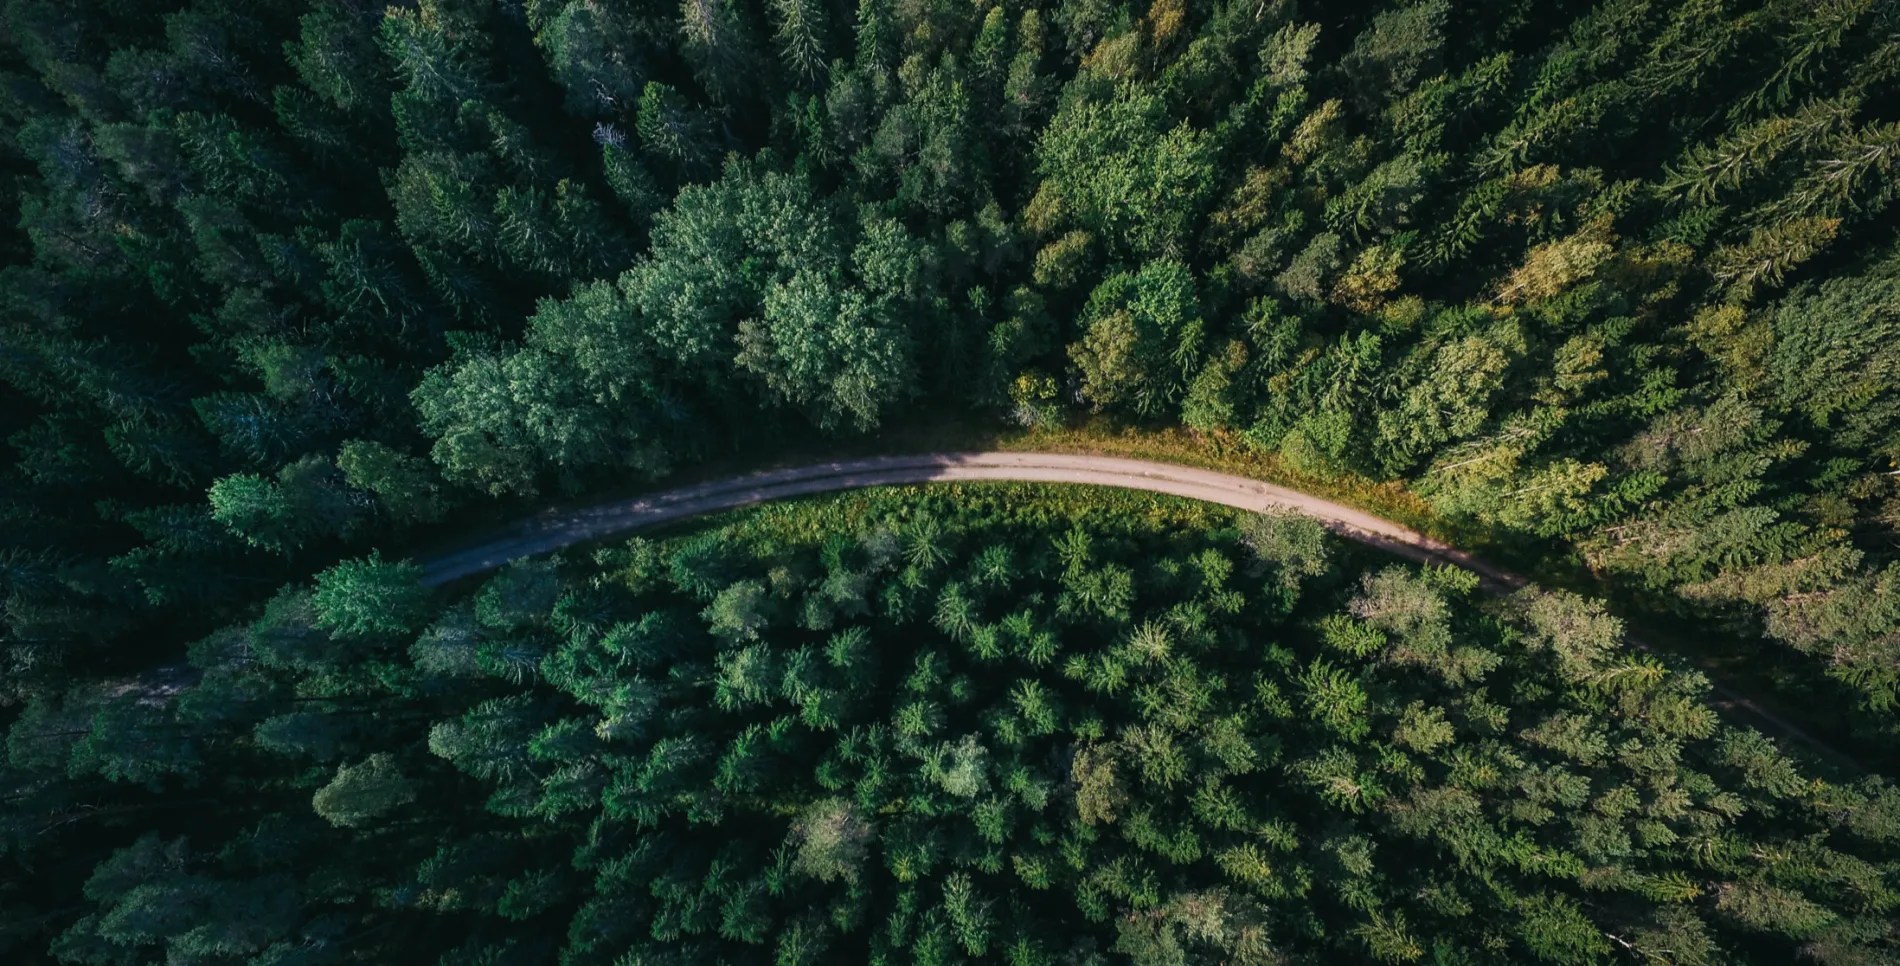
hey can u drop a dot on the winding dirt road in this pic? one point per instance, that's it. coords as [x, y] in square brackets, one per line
[556, 529]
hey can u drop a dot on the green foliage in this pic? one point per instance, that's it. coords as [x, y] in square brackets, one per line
[1292, 544]
[1143, 339]
[281, 283]
[407, 487]
[832, 352]
[1405, 768]
[308, 502]
[364, 792]
[370, 597]
[832, 839]
[1114, 164]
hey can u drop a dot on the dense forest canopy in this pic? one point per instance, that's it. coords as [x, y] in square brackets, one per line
[288, 285]
[287, 279]
[982, 725]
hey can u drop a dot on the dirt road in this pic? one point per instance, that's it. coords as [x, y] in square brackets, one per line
[554, 530]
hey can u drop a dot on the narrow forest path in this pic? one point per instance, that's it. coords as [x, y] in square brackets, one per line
[553, 530]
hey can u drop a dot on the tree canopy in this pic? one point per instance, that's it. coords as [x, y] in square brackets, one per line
[291, 289]
[989, 721]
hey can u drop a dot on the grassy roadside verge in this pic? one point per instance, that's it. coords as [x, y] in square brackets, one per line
[1228, 454]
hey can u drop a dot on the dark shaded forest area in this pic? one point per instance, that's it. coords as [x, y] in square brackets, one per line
[283, 283]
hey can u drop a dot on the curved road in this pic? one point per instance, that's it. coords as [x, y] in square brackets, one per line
[556, 529]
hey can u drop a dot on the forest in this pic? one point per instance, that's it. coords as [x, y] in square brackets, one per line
[990, 724]
[290, 289]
